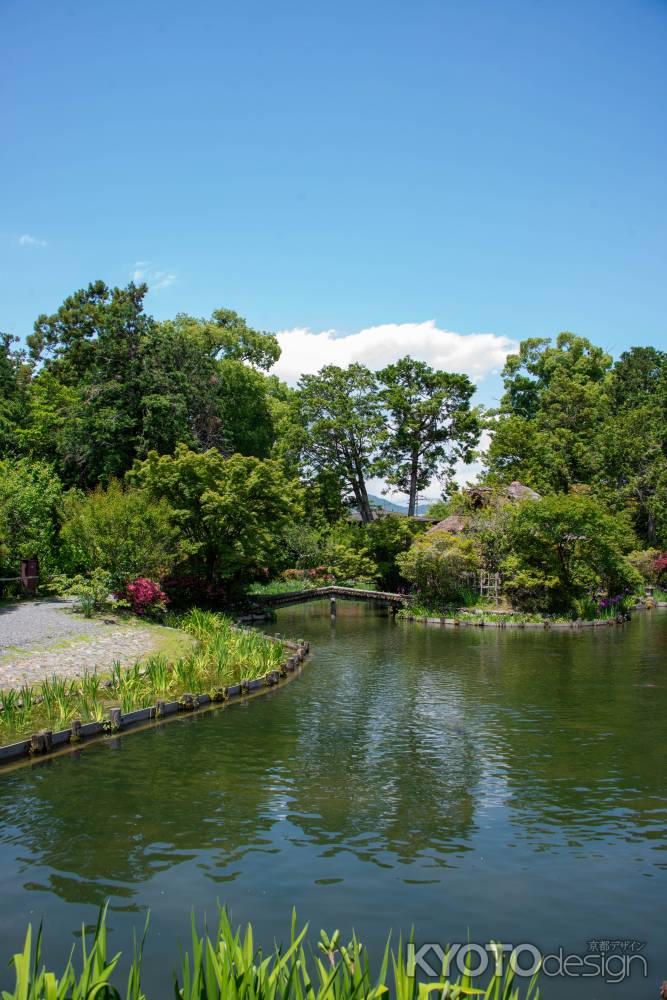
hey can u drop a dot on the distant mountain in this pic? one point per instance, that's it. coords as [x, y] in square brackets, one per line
[398, 508]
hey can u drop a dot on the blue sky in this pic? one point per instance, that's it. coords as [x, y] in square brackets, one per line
[491, 167]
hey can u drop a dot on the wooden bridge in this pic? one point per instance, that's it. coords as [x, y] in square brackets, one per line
[396, 601]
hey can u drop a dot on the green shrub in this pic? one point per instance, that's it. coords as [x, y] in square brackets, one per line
[93, 592]
[386, 539]
[125, 532]
[563, 548]
[436, 565]
[347, 564]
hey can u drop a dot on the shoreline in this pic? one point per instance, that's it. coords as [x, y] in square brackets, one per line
[46, 745]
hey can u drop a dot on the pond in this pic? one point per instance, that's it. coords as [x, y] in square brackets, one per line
[508, 785]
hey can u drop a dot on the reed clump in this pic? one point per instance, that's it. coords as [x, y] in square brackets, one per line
[227, 965]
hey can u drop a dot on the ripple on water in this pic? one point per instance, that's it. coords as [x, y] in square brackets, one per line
[409, 775]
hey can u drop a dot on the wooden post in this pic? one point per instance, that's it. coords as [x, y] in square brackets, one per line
[41, 742]
[333, 606]
[29, 575]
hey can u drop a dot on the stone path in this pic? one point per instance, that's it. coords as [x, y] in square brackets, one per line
[40, 639]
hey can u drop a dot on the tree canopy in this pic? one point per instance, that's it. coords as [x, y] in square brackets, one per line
[430, 425]
[230, 511]
[130, 445]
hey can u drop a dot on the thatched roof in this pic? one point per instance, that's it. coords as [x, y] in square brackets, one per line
[480, 497]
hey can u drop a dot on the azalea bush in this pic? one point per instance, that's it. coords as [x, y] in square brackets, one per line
[144, 596]
[660, 569]
[644, 561]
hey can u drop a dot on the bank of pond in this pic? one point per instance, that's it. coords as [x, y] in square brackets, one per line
[226, 663]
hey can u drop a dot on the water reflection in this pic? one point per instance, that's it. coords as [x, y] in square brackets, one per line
[406, 758]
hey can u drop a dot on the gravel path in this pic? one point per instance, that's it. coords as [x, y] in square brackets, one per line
[31, 632]
[32, 623]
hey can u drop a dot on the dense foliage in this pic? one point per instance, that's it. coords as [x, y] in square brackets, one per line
[165, 450]
[437, 565]
[564, 548]
[228, 964]
[572, 416]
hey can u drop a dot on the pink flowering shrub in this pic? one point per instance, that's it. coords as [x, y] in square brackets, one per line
[660, 568]
[144, 596]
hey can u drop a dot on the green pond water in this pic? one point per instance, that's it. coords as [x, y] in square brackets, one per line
[508, 785]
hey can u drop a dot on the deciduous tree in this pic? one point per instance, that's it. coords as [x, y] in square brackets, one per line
[343, 425]
[230, 511]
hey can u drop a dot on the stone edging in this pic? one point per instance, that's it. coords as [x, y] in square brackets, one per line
[42, 744]
[579, 623]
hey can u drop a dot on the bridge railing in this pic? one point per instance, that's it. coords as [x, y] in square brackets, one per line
[317, 593]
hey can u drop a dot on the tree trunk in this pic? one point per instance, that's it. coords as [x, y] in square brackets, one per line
[364, 505]
[414, 469]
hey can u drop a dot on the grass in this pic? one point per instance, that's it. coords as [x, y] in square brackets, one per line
[474, 615]
[476, 609]
[659, 594]
[222, 655]
[227, 964]
[484, 611]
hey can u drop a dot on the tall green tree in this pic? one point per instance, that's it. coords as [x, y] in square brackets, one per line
[633, 444]
[226, 335]
[430, 425]
[126, 385]
[640, 377]
[555, 401]
[30, 502]
[342, 423]
[14, 376]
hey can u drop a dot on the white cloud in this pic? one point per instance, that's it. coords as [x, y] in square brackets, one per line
[30, 241]
[475, 354]
[143, 271]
